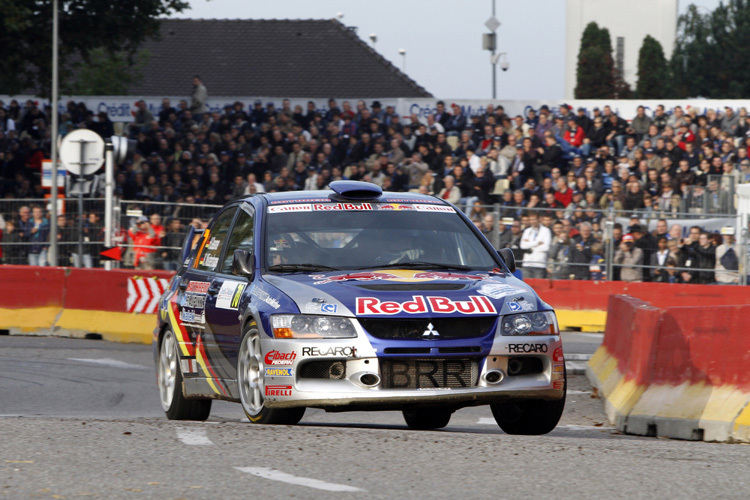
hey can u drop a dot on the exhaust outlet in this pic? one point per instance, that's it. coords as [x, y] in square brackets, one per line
[369, 379]
[515, 366]
[494, 377]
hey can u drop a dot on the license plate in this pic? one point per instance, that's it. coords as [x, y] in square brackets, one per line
[429, 373]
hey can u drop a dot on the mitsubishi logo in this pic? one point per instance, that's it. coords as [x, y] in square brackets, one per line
[430, 332]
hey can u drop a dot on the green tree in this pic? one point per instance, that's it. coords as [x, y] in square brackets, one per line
[595, 74]
[115, 27]
[653, 74]
[711, 52]
[108, 74]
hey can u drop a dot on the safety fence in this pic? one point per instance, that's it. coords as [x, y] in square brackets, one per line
[580, 242]
[80, 233]
[583, 243]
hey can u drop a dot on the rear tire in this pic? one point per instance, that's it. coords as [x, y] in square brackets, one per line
[424, 419]
[530, 417]
[169, 380]
[251, 384]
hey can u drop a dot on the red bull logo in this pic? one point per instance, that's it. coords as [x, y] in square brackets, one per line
[322, 279]
[421, 304]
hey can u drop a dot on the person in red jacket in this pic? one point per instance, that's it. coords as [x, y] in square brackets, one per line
[574, 134]
[145, 241]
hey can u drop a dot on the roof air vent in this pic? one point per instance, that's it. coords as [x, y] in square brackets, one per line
[356, 190]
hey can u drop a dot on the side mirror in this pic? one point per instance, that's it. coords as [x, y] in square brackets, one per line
[510, 260]
[242, 263]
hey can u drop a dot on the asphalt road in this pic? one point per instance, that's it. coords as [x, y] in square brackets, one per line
[82, 418]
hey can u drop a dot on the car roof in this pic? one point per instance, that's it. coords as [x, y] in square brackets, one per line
[330, 196]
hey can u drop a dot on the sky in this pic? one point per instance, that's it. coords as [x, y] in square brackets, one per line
[442, 38]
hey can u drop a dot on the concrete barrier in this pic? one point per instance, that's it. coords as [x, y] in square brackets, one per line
[70, 301]
[677, 372]
[73, 302]
[583, 304]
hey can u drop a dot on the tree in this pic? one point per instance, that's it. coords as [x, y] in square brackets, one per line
[595, 75]
[653, 74]
[116, 27]
[107, 74]
[711, 52]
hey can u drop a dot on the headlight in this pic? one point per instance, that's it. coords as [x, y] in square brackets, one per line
[303, 326]
[535, 323]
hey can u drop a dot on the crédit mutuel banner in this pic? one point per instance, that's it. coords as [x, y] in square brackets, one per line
[123, 108]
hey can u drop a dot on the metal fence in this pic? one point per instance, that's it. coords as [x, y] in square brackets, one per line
[600, 255]
[81, 238]
[586, 243]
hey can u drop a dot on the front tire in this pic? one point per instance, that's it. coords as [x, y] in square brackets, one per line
[251, 384]
[424, 419]
[532, 417]
[169, 380]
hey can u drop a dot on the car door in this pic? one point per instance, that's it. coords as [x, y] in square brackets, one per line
[196, 300]
[223, 317]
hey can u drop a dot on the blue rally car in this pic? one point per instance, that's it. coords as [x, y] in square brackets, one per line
[355, 299]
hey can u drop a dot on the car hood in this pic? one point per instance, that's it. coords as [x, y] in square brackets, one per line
[407, 293]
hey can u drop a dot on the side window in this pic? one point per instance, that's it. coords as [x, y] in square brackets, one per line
[241, 239]
[208, 259]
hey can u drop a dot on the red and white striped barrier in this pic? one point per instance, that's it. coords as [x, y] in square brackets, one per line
[144, 293]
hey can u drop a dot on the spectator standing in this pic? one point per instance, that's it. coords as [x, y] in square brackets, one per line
[727, 258]
[172, 242]
[536, 240]
[659, 258]
[198, 99]
[629, 257]
[145, 242]
[38, 234]
[706, 253]
[13, 253]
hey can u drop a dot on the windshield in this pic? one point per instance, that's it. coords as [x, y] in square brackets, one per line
[379, 235]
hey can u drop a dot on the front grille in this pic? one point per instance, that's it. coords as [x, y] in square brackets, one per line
[425, 373]
[456, 350]
[407, 350]
[411, 287]
[327, 369]
[446, 328]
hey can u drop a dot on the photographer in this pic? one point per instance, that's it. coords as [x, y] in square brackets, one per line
[628, 256]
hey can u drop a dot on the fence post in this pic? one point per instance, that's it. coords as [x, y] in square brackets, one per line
[496, 227]
[610, 238]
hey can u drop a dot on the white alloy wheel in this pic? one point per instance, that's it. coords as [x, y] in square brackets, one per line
[167, 370]
[250, 374]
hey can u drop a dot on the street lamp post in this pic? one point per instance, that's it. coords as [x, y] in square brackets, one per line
[489, 42]
[403, 60]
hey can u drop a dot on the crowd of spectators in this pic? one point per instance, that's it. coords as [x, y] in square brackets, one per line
[569, 164]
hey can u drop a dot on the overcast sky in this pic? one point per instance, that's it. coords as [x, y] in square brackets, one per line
[442, 38]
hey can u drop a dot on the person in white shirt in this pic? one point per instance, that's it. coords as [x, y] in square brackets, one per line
[535, 241]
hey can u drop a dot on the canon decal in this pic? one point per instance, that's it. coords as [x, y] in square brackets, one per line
[425, 304]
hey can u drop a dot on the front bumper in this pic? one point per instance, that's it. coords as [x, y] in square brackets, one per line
[348, 392]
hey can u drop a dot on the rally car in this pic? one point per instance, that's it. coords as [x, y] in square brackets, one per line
[355, 299]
